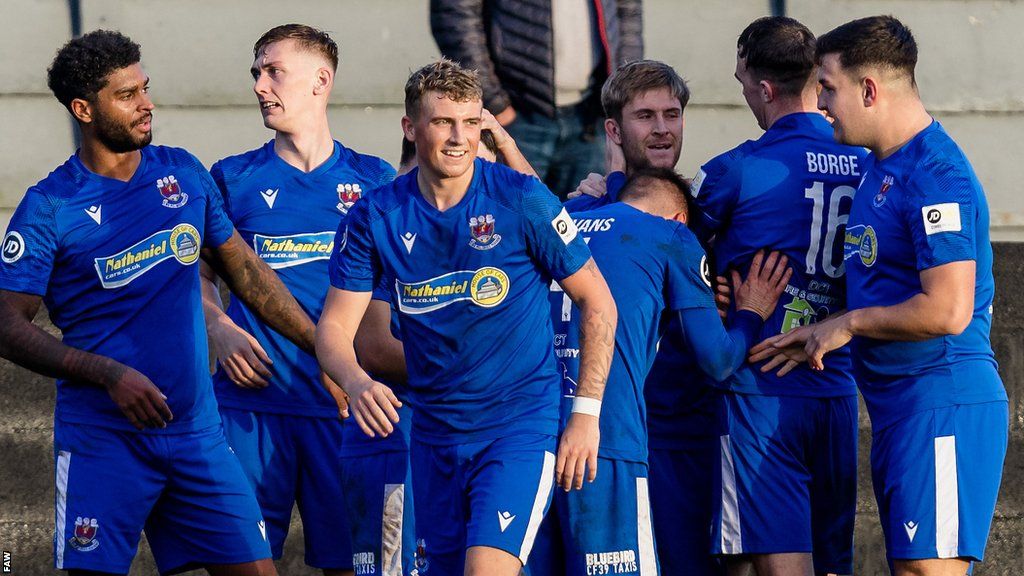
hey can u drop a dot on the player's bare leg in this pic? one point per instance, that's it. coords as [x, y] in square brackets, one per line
[263, 567]
[336, 572]
[932, 567]
[792, 564]
[487, 561]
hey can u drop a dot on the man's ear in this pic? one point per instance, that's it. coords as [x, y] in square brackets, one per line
[324, 80]
[681, 216]
[82, 110]
[869, 91]
[611, 129]
[409, 129]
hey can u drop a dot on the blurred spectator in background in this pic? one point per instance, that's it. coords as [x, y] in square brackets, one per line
[542, 64]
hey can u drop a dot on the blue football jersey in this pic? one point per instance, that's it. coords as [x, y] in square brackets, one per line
[115, 263]
[919, 208]
[652, 266]
[791, 190]
[357, 443]
[470, 284]
[289, 218]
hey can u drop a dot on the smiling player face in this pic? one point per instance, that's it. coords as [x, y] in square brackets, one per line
[447, 134]
[651, 131]
[288, 82]
[122, 115]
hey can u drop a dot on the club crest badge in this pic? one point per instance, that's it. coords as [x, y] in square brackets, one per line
[482, 229]
[347, 196]
[879, 198]
[84, 539]
[171, 192]
[421, 562]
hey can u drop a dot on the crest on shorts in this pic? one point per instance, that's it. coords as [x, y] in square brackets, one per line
[421, 562]
[171, 192]
[84, 539]
[482, 229]
[347, 196]
[879, 198]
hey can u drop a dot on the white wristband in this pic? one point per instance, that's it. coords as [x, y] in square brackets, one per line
[589, 406]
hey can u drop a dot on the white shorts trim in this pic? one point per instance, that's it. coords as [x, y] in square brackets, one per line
[731, 538]
[61, 506]
[540, 502]
[947, 499]
[392, 527]
[645, 530]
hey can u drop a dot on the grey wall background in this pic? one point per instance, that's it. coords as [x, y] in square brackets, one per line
[198, 54]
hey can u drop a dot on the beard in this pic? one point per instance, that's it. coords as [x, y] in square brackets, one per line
[635, 154]
[119, 138]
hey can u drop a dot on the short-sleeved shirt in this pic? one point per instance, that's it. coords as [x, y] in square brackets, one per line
[919, 208]
[289, 218]
[652, 266]
[790, 190]
[613, 185]
[470, 284]
[115, 263]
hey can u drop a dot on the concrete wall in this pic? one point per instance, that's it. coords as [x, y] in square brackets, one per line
[198, 54]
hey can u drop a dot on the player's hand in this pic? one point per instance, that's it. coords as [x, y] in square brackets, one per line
[506, 116]
[614, 159]
[489, 122]
[785, 359]
[239, 354]
[826, 336]
[373, 405]
[593, 185]
[340, 398]
[764, 283]
[140, 400]
[577, 452]
[723, 296]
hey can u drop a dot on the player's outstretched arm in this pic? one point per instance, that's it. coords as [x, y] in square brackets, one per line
[720, 352]
[577, 449]
[371, 403]
[251, 280]
[944, 307]
[28, 345]
[238, 352]
[379, 352]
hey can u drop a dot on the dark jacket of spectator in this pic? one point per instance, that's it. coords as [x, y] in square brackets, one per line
[510, 43]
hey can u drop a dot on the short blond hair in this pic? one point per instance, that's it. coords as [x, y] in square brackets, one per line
[444, 76]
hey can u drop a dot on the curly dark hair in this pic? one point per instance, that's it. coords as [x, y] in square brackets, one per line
[81, 66]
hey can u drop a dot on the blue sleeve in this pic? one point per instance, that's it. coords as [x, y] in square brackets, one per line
[354, 265]
[30, 245]
[385, 175]
[217, 173]
[218, 227]
[614, 184]
[719, 352]
[941, 216]
[688, 274]
[382, 291]
[551, 235]
[716, 190]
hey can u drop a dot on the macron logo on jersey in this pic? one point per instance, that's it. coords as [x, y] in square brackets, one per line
[504, 519]
[269, 196]
[95, 212]
[408, 239]
[941, 218]
[911, 528]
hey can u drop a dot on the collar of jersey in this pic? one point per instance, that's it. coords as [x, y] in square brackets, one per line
[452, 210]
[287, 168]
[106, 180]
